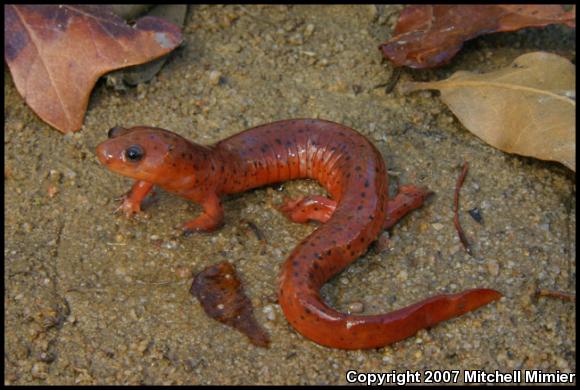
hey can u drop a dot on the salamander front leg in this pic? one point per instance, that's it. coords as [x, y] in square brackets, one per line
[131, 201]
[315, 207]
[210, 219]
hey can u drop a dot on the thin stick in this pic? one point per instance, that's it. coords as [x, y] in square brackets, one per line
[556, 294]
[462, 237]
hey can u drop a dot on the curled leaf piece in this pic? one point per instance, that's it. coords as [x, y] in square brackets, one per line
[221, 294]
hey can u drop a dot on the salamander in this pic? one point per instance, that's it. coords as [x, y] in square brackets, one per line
[344, 162]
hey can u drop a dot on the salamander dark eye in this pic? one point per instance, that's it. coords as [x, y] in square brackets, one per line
[134, 153]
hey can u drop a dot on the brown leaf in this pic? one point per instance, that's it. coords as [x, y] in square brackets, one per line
[221, 294]
[56, 53]
[430, 35]
[527, 108]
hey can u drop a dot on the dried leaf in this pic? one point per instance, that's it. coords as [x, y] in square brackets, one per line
[430, 35]
[138, 74]
[527, 108]
[221, 294]
[56, 53]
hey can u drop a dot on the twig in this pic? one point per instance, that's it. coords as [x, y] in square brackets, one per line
[556, 294]
[462, 237]
[257, 232]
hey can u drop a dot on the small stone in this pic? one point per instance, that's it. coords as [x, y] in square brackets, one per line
[493, 268]
[183, 272]
[438, 226]
[214, 77]
[269, 311]
[355, 307]
[39, 370]
[296, 39]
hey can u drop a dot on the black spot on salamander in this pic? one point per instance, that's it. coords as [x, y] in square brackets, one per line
[278, 141]
[363, 194]
[348, 247]
[360, 207]
[348, 174]
[367, 183]
[316, 266]
[347, 158]
[307, 310]
[357, 168]
[318, 256]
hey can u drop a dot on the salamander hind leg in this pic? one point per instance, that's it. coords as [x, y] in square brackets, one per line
[309, 208]
[210, 219]
[407, 199]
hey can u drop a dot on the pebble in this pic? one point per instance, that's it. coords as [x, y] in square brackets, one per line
[39, 370]
[183, 272]
[214, 77]
[438, 226]
[355, 307]
[296, 39]
[493, 267]
[308, 30]
[269, 311]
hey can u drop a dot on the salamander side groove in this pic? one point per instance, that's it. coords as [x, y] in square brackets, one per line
[340, 159]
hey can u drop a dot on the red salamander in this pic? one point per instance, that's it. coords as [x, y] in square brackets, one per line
[339, 158]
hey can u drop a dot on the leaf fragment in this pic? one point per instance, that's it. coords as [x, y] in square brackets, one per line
[430, 35]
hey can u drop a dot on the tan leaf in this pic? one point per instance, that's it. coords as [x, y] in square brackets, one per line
[527, 108]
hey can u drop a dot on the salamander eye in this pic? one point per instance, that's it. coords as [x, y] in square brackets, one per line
[134, 153]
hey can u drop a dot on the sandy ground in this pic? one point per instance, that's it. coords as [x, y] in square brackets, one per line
[93, 298]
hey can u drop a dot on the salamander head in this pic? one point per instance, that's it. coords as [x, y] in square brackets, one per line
[151, 154]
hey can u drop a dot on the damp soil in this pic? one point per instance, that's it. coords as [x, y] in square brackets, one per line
[94, 298]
